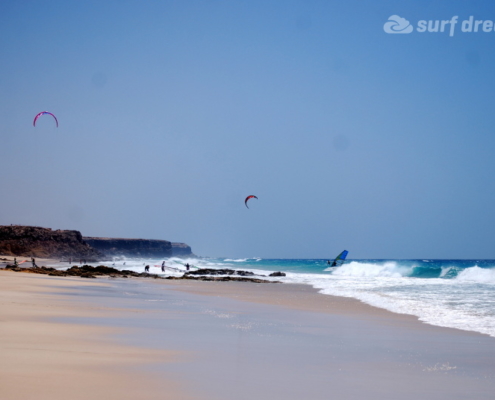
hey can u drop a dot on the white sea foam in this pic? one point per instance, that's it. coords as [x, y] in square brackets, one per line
[477, 274]
[464, 301]
[360, 269]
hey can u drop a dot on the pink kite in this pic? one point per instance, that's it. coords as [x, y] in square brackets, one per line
[43, 113]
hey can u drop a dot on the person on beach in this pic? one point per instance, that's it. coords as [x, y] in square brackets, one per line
[187, 266]
[147, 268]
[15, 262]
[163, 266]
[33, 261]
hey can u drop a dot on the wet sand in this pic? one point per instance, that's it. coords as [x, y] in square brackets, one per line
[225, 340]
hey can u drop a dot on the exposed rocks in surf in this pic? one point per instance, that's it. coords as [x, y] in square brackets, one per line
[278, 273]
[210, 271]
[221, 279]
[88, 271]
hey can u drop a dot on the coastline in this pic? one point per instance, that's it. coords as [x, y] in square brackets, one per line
[267, 341]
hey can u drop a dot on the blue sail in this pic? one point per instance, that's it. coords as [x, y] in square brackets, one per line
[339, 260]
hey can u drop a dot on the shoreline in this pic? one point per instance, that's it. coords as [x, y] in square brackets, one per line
[343, 302]
[181, 336]
[26, 267]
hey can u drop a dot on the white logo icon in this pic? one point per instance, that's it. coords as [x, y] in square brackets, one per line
[396, 24]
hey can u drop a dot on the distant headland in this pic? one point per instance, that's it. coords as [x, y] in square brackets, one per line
[35, 241]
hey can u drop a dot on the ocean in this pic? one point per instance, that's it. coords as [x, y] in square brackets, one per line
[450, 293]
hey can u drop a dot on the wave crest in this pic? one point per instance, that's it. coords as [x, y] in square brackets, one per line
[477, 274]
[389, 269]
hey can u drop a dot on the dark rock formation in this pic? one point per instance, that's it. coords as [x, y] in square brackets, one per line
[277, 274]
[87, 271]
[208, 271]
[34, 241]
[139, 248]
[221, 279]
[181, 250]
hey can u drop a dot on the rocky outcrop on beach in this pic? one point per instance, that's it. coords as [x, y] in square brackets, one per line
[211, 271]
[221, 279]
[34, 241]
[85, 271]
[137, 248]
[88, 271]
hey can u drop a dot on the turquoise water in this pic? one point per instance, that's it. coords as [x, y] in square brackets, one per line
[451, 293]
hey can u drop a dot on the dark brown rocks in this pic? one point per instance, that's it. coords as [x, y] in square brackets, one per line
[209, 271]
[88, 271]
[278, 273]
[117, 247]
[34, 241]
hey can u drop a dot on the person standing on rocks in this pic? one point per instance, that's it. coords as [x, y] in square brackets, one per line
[33, 261]
[147, 268]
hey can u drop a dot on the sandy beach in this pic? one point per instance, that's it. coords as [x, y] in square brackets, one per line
[45, 359]
[137, 338]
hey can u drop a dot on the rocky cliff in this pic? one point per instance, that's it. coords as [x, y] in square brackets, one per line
[181, 250]
[114, 247]
[34, 241]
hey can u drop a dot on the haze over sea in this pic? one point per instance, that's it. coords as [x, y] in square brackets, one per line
[450, 293]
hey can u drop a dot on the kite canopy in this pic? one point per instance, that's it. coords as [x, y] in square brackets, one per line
[43, 113]
[249, 197]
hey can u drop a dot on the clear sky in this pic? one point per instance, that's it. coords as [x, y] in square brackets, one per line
[172, 112]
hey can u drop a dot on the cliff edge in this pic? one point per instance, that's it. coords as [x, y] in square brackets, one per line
[35, 241]
[115, 247]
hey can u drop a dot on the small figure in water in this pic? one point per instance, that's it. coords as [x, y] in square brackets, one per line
[187, 266]
[15, 262]
[147, 268]
[33, 262]
[163, 266]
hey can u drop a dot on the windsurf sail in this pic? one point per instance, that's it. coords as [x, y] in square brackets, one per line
[339, 260]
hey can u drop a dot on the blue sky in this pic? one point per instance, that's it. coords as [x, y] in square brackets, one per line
[172, 112]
